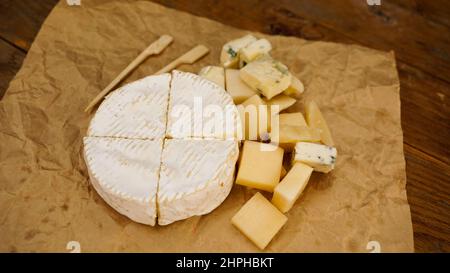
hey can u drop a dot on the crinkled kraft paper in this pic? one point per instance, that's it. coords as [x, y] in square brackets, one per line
[46, 200]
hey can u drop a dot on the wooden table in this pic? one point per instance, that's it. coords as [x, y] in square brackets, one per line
[417, 30]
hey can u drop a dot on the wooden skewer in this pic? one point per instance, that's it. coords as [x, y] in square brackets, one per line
[155, 48]
[189, 57]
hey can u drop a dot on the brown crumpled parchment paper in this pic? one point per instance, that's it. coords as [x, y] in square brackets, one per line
[46, 199]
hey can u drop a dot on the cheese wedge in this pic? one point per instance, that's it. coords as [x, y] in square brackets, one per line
[259, 220]
[196, 176]
[320, 157]
[295, 89]
[215, 74]
[292, 119]
[254, 117]
[199, 108]
[290, 188]
[260, 166]
[282, 101]
[136, 110]
[315, 119]
[253, 50]
[229, 57]
[238, 90]
[125, 174]
[267, 76]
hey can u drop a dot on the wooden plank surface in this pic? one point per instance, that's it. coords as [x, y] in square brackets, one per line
[414, 29]
[10, 61]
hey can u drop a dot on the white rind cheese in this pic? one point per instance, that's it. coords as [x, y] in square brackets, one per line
[125, 173]
[199, 108]
[196, 176]
[320, 157]
[136, 110]
[140, 177]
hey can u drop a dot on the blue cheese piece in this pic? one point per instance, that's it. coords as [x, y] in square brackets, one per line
[320, 157]
[216, 74]
[267, 76]
[229, 57]
[254, 50]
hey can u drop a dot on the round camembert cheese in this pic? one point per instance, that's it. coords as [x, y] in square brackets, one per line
[164, 148]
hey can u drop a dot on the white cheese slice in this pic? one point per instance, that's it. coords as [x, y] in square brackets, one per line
[136, 110]
[320, 157]
[196, 176]
[199, 108]
[125, 174]
[216, 74]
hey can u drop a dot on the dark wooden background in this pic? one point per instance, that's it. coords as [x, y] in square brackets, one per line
[417, 30]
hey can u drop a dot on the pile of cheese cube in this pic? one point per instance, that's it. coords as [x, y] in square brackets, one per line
[254, 79]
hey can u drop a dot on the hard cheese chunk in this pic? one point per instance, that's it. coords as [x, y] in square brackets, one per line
[260, 166]
[294, 134]
[259, 220]
[266, 76]
[320, 157]
[215, 74]
[253, 50]
[292, 119]
[238, 89]
[229, 57]
[282, 101]
[290, 188]
[316, 119]
[295, 89]
[255, 117]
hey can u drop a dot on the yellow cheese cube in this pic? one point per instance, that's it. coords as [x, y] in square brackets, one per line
[255, 117]
[215, 74]
[259, 220]
[290, 188]
[253, 50]
[266, 76]
[283, 102]
[229, 57]
[292, 119]
[238, 90]
[316, 119]
[295, 89]
[260, 166]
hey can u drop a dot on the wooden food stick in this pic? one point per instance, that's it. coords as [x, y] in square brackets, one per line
[155, 48]
[189, 57]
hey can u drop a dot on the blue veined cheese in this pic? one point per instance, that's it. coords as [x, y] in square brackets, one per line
[320, 157]
[253, 50]
[136, 110]
[229, 57]
[216, 74]
[267, 76]
[199, 108]
[196, 176]
[125, 174]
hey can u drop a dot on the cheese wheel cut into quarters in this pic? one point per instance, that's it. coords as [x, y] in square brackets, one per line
[146, 170]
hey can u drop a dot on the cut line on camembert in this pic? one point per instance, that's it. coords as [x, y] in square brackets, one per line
[147, 169]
